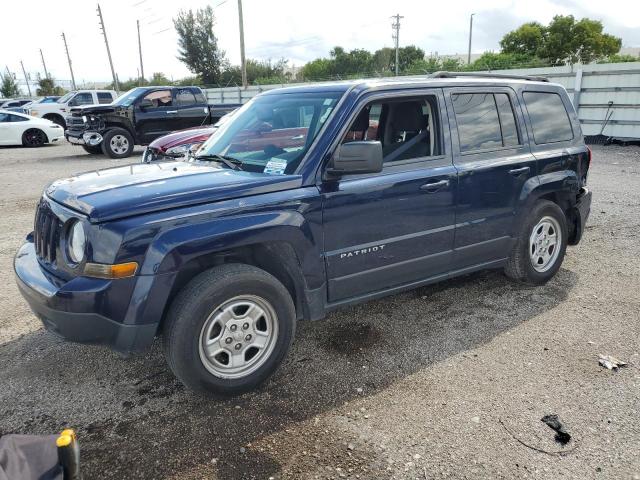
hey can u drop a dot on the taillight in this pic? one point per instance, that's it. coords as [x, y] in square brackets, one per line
[589, 156]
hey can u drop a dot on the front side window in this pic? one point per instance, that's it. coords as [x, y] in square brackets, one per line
[271, 133]
[549, 118]
[406, 127]
[84, 98]
[158, 99]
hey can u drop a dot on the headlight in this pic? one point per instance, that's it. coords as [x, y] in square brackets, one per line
[76, 242]
[181, 149]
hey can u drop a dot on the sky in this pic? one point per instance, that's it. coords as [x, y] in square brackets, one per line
[299, 30]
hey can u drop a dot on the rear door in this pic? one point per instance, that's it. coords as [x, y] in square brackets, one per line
[394, 228]
[159, 117]
[491, 153]
[192, 109]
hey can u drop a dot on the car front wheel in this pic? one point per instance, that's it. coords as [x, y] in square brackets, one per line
[229, 329]
[117, 143]
[541, 245]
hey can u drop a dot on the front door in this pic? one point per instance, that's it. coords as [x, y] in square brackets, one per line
[494, 162]
[156, 115]
[394, 228]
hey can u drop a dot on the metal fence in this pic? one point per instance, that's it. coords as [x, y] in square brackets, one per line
[607, 96]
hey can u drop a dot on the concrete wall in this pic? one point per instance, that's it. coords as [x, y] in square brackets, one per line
[600, 91]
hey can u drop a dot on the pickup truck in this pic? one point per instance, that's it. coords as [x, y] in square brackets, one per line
[306, 200]
[138, 117]
[58, 111]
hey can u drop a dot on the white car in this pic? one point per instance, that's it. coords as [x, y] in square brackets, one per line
[58, 111]
[20, 129]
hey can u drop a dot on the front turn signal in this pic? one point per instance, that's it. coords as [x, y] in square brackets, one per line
[120, 270]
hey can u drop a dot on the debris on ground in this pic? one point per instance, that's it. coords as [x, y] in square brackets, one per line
[553, 421]
[610, 362]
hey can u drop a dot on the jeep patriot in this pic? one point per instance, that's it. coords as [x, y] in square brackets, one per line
[309, 198]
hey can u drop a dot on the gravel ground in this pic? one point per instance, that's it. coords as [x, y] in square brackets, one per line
[447, 381]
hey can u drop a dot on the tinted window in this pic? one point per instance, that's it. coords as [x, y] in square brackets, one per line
[82, 99]
[16, 118]
[185, 98]
[200, 98]
[4, 117]
[507, 120]
[104, 97]
[477, 118]
[549, 119]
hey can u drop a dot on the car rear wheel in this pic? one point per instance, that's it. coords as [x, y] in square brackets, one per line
[93, 149]
[541, 245]
[229, 329]
[117, 143]
[34, 137]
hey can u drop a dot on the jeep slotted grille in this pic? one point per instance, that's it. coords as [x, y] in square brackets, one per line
[46, 233]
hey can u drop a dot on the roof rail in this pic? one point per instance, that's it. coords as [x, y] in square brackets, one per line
[533, 78]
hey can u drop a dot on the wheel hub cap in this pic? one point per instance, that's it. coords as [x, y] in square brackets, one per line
[544, 244]
[238, 337]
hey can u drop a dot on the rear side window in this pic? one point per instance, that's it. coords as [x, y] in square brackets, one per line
[478, 123]
[200, 98]
[104, 97]
[185, 98]
[549, 118]
[507, 120]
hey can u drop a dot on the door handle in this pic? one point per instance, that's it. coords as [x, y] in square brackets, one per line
[434, 186]
[172, 111]
[519, 171]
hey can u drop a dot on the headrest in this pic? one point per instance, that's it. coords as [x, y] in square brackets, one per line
[361, 123]
[408, 117]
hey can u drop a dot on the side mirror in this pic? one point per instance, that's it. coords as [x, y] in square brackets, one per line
[145, 103]
[357, 157]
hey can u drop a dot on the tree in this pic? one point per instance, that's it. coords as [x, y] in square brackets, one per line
[9, 87]
[47, 87]
[526, 39]
[564, 40]
[198, 46]
[407, 56]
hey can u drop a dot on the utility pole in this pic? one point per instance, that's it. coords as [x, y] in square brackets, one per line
[140, 51]
[106, 42]
[470, 34]
[46, 74]
[73, 80]
[242, 58]
[396, 37]
[26, 79]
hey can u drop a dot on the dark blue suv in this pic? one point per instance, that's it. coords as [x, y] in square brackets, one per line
[308, 199]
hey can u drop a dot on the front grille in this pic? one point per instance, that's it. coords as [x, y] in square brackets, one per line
[46, 232]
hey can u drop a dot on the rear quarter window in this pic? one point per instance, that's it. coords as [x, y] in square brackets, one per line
[549, 118]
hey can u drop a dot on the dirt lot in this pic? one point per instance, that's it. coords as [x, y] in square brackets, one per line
[448, 381]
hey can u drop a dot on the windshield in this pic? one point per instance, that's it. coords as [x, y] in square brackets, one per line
[127, 98]
[66, 97]
[271, 133]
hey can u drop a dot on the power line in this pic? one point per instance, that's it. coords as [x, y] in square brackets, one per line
[106, 42]
[396, 37]
[73, 79]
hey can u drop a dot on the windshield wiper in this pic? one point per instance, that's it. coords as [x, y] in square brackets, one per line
[230, 162]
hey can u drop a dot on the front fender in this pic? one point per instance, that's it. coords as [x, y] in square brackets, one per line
[174, 248]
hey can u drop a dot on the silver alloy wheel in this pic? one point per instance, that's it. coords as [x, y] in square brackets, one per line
[119, 144]
[238, 337]
[544, 244]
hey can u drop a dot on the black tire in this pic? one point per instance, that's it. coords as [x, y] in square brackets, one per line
[122, 145]
[34, 137]
[93, 149]
[520, 265]
[57, 119]
[195, 304]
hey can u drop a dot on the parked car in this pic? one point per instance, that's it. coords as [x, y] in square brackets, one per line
[140, 116]
[377, 187]
[15, 102]
[20, 129]
[59, 110]
[181, 144]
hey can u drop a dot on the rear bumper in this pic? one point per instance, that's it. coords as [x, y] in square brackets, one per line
[68, 309]
[581, 211]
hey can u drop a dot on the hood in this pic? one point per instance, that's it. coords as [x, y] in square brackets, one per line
[92, 109]
[191, 135]
[143, 188]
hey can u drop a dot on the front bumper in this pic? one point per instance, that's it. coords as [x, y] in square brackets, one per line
[83, 137]
[75, 310]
